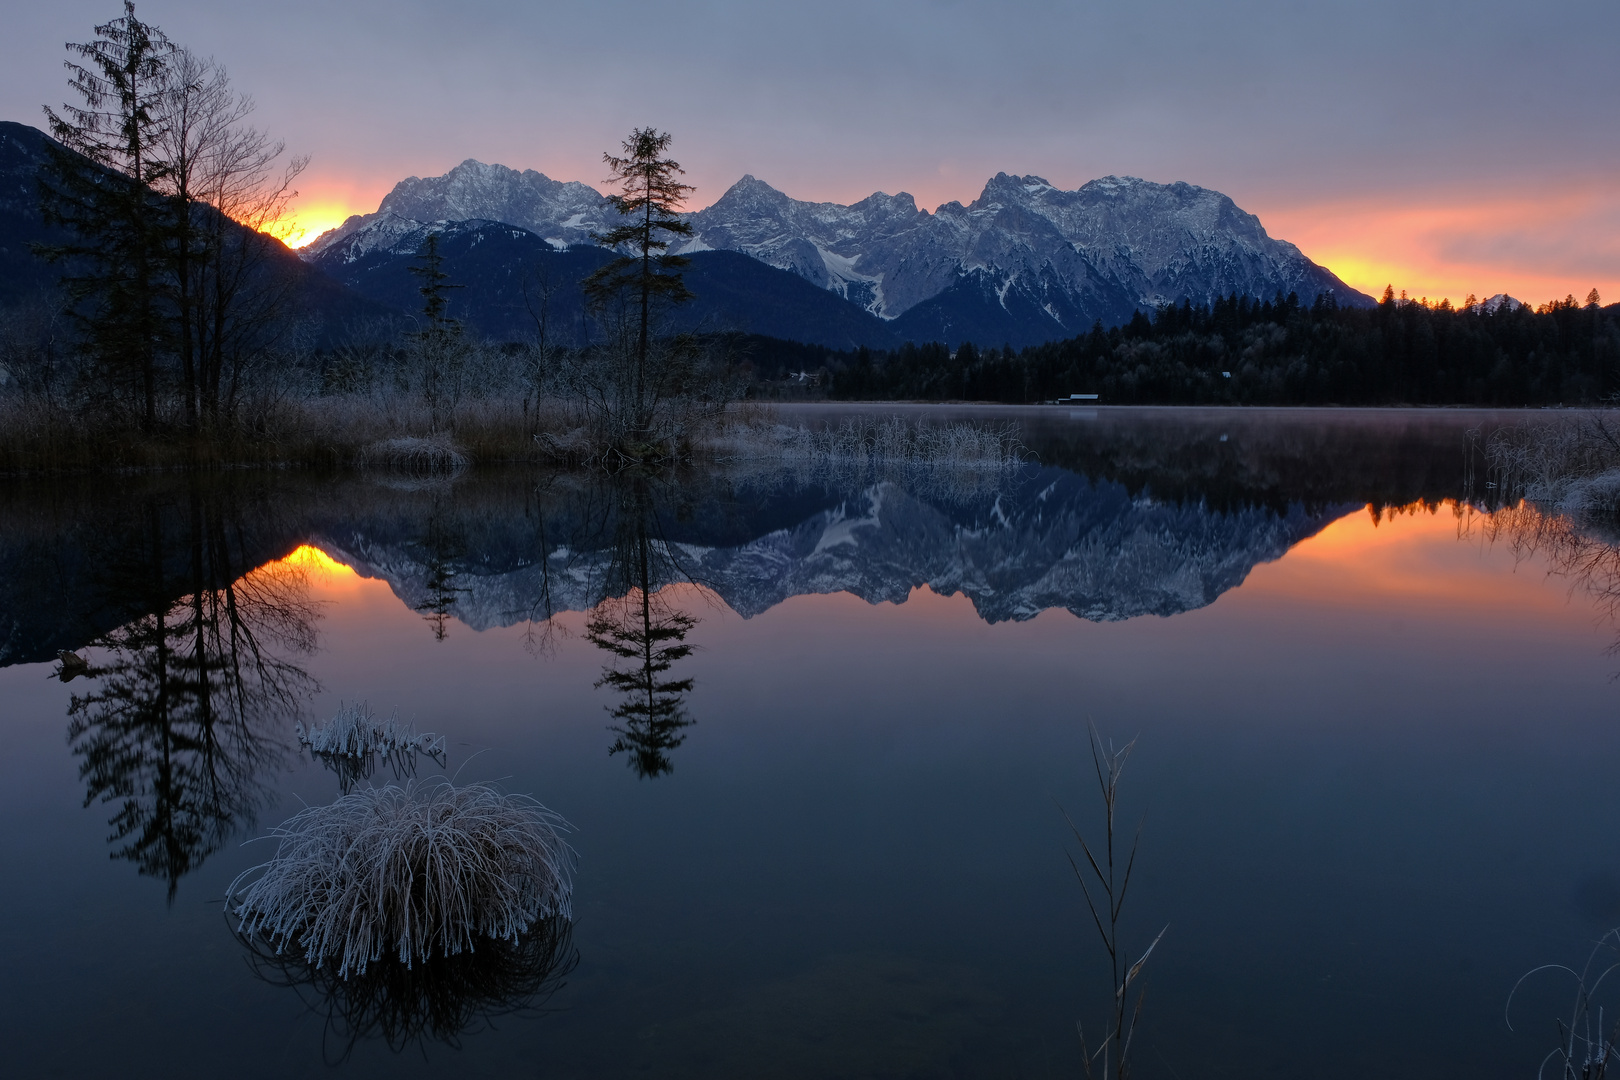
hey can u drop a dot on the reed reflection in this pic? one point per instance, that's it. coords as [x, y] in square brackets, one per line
[179, 726]
[1585, 553]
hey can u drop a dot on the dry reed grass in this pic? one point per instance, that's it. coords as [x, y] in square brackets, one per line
[355, 741]
[952, 461]
[1569, 466]
[336, 431]
[411, 873]
[1585, 1050]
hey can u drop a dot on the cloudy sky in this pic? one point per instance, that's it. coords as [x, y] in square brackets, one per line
[1443, 147]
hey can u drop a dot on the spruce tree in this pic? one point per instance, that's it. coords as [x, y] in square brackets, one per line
[648, 202]
[98, 185]
[438, 340]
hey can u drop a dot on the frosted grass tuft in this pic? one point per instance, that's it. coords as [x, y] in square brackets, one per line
[354, 731]
[437, 454]
[354, 740]
[957, 460]
[408, 872]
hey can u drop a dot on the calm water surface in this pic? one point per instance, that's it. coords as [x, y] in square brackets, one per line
[1376, 756]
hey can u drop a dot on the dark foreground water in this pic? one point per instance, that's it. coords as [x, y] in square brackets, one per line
[1377, 750]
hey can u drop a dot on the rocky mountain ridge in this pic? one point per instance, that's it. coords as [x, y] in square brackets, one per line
[1025, 261]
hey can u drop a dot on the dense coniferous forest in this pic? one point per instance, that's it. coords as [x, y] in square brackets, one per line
[1264, 352]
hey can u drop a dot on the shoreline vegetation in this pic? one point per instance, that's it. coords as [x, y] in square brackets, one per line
[397, 434]
[1567, 467]
[177, 340]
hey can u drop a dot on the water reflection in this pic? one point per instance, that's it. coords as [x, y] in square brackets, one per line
[180, 725]
[437, 1000]
[1152, 517]
[643, 634]
[646, 636]
[442, 549]
[1586, 554]
[1306, 813]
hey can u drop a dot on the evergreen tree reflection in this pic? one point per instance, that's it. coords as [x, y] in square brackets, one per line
[645, 635]
[441, 547]
[177, 728]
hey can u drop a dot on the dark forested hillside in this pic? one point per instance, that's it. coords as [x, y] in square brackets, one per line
[1276, 352]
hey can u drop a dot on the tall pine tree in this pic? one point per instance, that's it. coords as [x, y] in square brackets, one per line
[648, 202]
[98, 185]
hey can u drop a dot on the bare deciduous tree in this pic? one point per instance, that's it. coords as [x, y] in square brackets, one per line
[228, 195]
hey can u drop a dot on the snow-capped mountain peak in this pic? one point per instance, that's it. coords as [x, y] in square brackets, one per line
[1025, 261]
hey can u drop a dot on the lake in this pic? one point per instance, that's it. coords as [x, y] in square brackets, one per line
[1374, 762]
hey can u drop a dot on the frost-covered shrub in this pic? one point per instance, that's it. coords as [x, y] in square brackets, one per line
[355, 740]
[1569, 465]
[407, 873]
[355, 731]
[418, 455]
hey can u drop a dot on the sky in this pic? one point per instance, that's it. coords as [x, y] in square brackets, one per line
[1444, 148]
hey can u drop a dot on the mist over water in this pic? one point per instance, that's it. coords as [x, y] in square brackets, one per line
[812, 729]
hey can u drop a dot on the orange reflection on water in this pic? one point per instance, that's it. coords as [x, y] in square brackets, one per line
[323, 570]
[1433, 554]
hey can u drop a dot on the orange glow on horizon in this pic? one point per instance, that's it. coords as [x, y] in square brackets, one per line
[325, 575]
[1533, 247]
[1530, 244]
[325, 203]
[308, 220]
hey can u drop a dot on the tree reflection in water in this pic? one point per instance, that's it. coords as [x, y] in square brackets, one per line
[643, 630]
[635, 623]
[440, 999]
[442, 547]
[178, 728]
[1585, 552]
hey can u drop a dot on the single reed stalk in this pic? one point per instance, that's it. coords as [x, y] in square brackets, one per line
[1112, 1056]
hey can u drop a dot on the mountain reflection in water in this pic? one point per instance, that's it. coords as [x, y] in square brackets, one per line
[1373, 757]
[196, 651]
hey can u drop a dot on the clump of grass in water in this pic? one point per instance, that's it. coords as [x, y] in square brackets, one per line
[355, 740]
[418, 455]
[408, 873]
[951, 460]
[1584, 1050]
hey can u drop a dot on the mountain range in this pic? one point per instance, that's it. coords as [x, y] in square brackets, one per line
[1024, 262]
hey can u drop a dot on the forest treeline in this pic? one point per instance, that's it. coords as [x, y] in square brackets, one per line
[181, 334]
[1240, 351]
